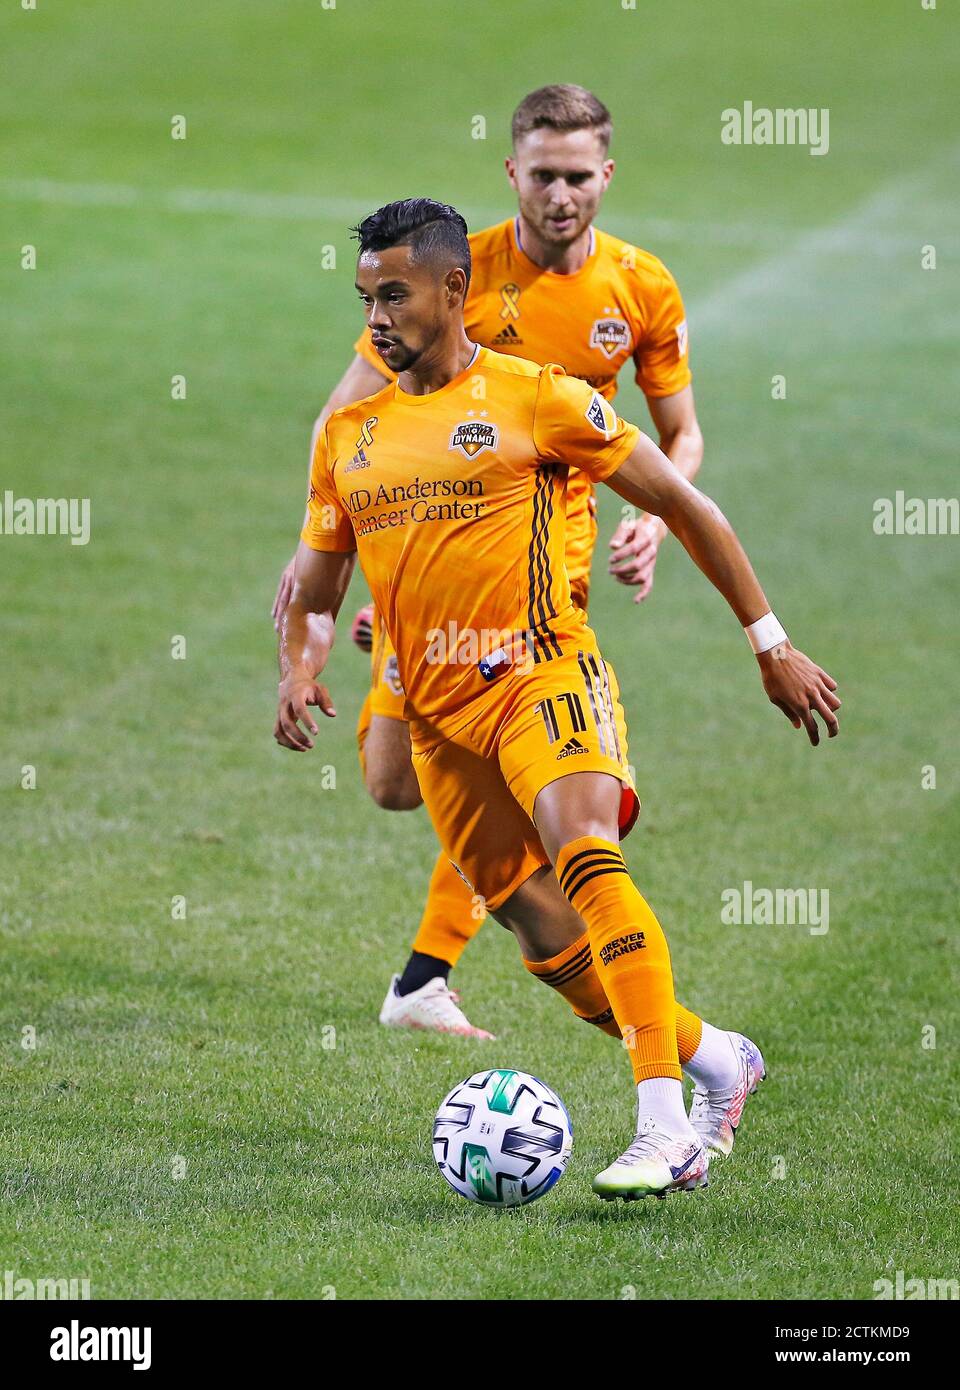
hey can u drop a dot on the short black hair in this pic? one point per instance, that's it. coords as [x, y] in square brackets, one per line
[433, 231]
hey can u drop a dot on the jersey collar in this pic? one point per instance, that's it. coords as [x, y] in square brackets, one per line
[451, 385]
[541, 270]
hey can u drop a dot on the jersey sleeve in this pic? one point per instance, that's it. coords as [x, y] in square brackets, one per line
[328, 525]
[662, 356]
[364, 348]
[573, 424]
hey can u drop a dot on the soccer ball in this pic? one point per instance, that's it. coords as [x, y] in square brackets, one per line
[502, 1138]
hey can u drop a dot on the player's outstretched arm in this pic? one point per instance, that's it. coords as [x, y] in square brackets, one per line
[359, 380]
[306, 636]
[794, 683]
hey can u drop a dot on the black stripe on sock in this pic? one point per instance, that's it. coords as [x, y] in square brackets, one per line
[580, 955]
[569, 972]
[574, 888]
[599, 850]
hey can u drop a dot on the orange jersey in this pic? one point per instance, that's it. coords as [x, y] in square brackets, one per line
[455, 503]
[622, 304]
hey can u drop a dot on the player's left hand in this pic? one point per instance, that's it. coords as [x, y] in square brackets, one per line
[634, 546]
[292, 711]
[801, 689]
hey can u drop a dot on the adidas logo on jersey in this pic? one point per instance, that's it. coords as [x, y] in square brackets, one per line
[508, 337]
[571, 747]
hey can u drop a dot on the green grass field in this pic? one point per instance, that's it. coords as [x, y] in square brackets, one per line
[202, 1045]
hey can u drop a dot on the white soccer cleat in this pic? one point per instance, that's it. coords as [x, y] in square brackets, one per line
[655, 1163]
[434, 1006]
[715, 1115]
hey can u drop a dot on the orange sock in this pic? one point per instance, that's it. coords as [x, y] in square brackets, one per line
[450, 917]
[689, 1032]
[629, 950]
[573, 974]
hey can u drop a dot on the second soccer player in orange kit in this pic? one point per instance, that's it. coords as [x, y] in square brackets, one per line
[549, 286]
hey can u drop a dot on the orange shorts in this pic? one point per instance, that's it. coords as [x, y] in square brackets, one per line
[480, 784]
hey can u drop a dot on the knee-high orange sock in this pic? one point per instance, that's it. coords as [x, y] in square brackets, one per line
[573, 974]
[629, 950]
[450, 917]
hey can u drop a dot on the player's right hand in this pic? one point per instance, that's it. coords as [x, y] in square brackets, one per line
[284, 590]
[293, 710]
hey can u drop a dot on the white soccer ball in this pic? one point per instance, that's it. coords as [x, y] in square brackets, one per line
[502, 1138]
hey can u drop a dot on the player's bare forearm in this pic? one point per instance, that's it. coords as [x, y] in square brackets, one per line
[306, 637]
[636, 542]
[684, 449]
[305, 642]
[675, 419]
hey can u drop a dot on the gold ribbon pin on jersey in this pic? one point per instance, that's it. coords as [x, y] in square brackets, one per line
[510, 294]
[366, 434]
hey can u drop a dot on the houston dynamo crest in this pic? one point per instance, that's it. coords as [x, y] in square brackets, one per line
[473, 436]
[610, 336]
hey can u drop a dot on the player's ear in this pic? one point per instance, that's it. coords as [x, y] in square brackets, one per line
[510, 164]
[456, 284]
[608, 167]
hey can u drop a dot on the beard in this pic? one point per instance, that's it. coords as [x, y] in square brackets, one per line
[538, 219]
[402, 357]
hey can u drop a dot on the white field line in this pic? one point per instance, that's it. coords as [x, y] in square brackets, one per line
[865, 231]
[295, 207]
[859, 233]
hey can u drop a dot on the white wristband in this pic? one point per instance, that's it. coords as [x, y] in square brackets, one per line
[765, 633]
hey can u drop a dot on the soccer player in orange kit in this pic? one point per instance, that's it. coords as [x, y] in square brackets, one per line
[549, 286]
[450, 485]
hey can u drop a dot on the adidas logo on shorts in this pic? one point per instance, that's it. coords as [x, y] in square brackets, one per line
[572, 746]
